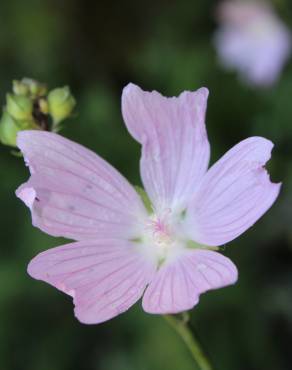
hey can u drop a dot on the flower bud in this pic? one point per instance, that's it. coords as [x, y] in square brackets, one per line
[19, 106]
[8, 129]
[28, 125]
[44, 106]
[20, 88]
[35, 88]
[61, 103]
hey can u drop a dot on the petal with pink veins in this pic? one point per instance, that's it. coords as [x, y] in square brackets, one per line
[74, 193]
[235, 192]
[178, 284]
[105, 277]
[175, 147]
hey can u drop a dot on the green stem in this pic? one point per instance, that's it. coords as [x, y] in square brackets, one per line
[182, 328]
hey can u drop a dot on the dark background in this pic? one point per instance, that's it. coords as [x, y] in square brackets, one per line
[97, 48]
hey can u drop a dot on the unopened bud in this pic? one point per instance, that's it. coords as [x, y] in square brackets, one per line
[20, 88]
[9, 127]
[61, 103]
[19, 106]
[35, 88]
[44, 106]
[8, 130]
[28, 125]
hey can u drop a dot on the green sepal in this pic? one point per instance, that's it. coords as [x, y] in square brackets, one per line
[8, 129]
[193, 245]
[19, 106]
[145, 199]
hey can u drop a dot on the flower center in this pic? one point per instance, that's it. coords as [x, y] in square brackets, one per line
[161, 233]
[161, 238]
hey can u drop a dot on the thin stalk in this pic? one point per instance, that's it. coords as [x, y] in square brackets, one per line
[182, 328]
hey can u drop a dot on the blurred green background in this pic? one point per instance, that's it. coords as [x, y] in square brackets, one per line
[97, 48]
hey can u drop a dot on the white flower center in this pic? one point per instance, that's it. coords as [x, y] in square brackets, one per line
[161, 233]
[161, 236]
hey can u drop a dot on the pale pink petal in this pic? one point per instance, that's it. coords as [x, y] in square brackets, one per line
[178, 284]
[253, 40]
[27, 195]
[105, 277]
[74, 193]
[233, 195]
[175, 148]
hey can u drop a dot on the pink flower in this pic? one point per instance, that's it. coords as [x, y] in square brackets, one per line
[121, 250]
[252, 40]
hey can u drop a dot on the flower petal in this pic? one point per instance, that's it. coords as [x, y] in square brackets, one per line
[233, 195]
[175, 148]
[178, 284]
[105, 277]
[74, 193]
[258, 56]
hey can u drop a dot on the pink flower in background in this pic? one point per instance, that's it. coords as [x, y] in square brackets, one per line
[253, 40]
[122, 251]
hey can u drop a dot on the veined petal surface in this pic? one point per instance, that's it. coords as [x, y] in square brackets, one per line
[104, 277]
[175, 147]
[235, 192]
[178, 284]
[73, 192]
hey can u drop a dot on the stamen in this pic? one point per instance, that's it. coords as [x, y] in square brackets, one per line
[160, 231]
